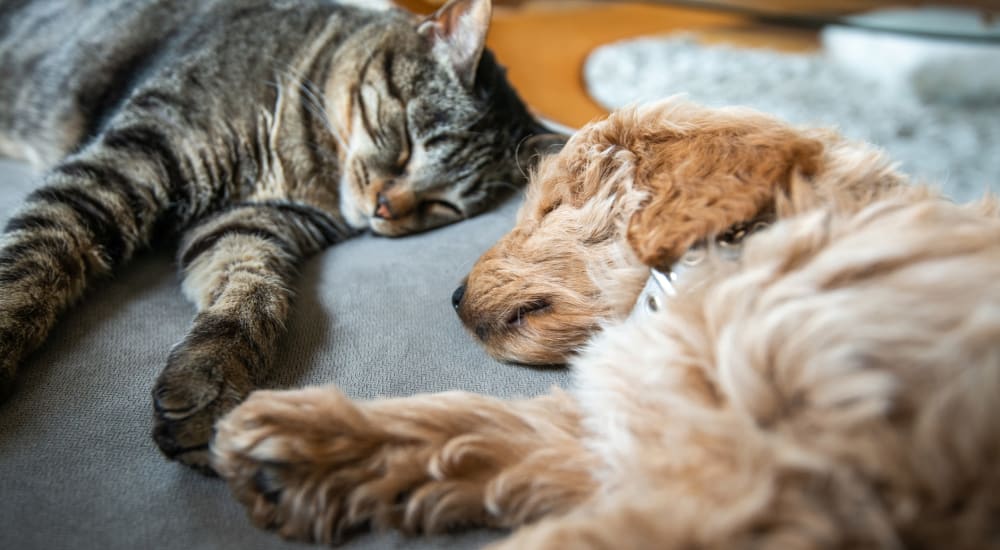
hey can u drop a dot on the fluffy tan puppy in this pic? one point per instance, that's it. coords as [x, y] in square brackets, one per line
[634, 190]
[835, 387]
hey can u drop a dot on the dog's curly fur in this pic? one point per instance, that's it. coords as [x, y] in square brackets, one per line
[638, 189]
[834, 388]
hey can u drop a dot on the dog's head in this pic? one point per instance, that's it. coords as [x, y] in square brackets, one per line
[535, 294]
[631, 191]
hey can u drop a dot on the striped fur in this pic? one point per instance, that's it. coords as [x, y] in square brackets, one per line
[256, 133]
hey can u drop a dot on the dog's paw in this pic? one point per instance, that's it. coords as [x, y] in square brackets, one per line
[314, 466]
[191, 394]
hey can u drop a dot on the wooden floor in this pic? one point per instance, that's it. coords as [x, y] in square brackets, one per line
[544, 45]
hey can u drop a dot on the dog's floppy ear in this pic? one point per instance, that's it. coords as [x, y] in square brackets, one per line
[702, 185]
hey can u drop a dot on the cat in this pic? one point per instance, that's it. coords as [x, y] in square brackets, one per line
[255, 133]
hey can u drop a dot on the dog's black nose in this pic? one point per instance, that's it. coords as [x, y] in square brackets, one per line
[456, 297]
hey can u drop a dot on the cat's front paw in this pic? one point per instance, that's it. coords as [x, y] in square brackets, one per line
[192, 393]
[314, 466]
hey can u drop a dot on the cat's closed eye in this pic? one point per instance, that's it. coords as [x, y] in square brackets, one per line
[435, 207]
[403, 159]
[405, 145]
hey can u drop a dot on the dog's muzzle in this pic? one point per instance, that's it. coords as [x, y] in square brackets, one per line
[661, 286]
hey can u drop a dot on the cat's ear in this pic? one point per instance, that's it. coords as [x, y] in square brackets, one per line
[458, 35]
[534, 147]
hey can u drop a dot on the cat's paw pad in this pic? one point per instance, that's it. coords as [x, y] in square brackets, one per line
[190, 395]
[309, 465]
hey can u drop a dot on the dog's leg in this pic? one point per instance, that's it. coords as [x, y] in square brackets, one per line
[316, 466]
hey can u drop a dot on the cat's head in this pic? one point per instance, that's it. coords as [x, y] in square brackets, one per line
[432, 131]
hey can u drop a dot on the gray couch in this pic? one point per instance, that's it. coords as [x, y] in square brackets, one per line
[77, 466]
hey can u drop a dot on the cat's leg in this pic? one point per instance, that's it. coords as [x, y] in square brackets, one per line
[92, 212]
[238, 268]
[316, 466]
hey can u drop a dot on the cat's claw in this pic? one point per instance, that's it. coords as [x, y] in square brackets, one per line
[190, 395]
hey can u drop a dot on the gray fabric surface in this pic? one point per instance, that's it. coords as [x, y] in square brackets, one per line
[77, 466]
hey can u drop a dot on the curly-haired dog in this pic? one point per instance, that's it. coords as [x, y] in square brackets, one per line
[636, 189]
[834, 387]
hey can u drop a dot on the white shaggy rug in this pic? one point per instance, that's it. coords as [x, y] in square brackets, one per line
[940, 120]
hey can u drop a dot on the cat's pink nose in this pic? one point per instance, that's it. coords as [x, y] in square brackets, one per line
[383, 209]
[394, 203]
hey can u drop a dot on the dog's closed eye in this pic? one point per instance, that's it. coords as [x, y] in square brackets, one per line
[534, 307]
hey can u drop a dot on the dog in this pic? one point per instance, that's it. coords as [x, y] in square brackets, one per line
[832, 386]
[639, 189]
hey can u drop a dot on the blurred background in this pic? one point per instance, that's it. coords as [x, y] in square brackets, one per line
[919, 79]
[544, 43]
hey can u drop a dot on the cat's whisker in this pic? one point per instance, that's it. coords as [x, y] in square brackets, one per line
[314, 102]
[474, 123]
[323, 151]
[507, 185]
[321, 114]
[517, 157]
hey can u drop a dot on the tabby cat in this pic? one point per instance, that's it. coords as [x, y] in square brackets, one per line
[257, 132]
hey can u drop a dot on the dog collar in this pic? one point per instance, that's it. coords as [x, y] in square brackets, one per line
[661, 285]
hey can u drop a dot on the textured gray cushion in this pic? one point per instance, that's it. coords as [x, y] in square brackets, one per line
[77, 466]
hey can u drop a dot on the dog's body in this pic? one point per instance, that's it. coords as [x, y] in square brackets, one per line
[835, 387]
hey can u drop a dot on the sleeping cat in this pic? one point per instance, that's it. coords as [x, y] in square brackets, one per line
[257, 132]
